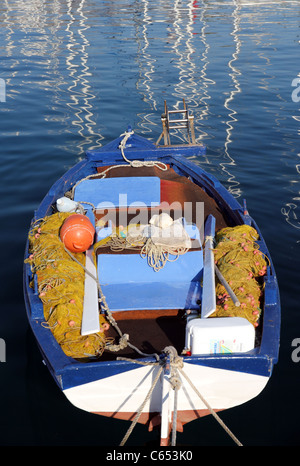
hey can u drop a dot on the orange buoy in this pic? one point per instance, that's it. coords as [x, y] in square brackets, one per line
[77, 233]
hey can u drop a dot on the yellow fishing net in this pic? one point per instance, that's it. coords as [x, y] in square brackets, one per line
[61, 288]
[242, 264]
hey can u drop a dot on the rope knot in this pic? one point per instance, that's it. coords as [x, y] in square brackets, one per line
[172, 353]
[123, 343]
[175, 382]
[176, 363]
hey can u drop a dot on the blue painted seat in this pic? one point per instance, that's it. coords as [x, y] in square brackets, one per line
[129, 283]
[109, 193]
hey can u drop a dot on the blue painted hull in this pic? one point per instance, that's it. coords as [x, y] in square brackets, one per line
[70, 373]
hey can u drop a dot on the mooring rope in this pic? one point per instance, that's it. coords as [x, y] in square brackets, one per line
[131, 163]
[176, 365]
[140, 410]
[139, 163]
[215, 415]
[176, 362]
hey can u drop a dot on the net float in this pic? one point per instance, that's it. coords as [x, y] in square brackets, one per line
[77, 233]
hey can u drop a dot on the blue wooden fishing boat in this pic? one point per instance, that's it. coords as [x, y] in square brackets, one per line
[171, 310]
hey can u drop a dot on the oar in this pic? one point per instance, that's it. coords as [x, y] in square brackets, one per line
[209, 271]
[227, 287]
[90, 315]
[209, 288]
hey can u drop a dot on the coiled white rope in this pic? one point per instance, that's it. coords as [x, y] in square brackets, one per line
[158, 255]
[138, 163]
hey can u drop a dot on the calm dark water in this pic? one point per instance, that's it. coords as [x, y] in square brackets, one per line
[77, 72]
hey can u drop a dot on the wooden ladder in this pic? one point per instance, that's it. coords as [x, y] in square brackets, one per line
[185, 122]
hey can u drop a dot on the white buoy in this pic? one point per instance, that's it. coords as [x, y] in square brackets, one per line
[64, 204]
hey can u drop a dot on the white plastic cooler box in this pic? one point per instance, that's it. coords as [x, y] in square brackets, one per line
[219, 335]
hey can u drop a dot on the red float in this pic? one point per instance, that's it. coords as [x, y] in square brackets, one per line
[77, 233]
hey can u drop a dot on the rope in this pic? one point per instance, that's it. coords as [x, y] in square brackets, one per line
[215, 415]
[132, 163]
[176, 365]
[158, 255]
[139, 412]
[118, 244]
[139, 163]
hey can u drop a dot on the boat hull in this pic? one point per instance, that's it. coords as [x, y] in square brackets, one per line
[118, 388]
[222, 389]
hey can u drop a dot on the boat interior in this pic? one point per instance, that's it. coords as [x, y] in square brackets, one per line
[147, 287]
[150, 327]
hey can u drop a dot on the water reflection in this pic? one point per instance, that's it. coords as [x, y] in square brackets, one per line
[77, 64]
[205, 80]
[234, 74]
[48, 49]
[70, 50]
[291, 210]
[146, 69]
[178, 64]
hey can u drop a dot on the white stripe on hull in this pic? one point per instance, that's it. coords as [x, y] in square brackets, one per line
[125, 392]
